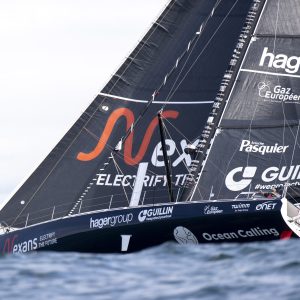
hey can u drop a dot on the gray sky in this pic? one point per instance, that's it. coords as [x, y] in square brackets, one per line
[55, 56]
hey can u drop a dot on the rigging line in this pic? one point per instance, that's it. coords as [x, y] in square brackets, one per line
[170, 163]
[294, 148]
[117, 168]
[178, 131]
[276, 26]
[206, 45]
[184, 162]
[92, 134]
[283, 110]
[196, 39]
[121, 156]
[282, 157]
[250, 129]
[198, 34]
[256, 106]
[277, 75]
[228, 164]
[79, 133]
[142, 46]
[295, 137]
[178, 152]
[230, 94]
[296, 142]
[171, 71]
[189, 50]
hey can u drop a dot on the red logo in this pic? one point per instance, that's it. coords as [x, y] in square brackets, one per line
[110, 124]
[286, 235]
[9, 244]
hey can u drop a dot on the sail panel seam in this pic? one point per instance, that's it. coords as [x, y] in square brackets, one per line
[154, 102]
[269, 73]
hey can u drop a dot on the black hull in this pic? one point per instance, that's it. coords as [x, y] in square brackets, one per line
[133, 229]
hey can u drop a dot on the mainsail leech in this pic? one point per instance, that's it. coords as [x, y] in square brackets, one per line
[261, 120]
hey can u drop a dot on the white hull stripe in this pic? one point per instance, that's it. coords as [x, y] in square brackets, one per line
[270, 73]
[154, 102]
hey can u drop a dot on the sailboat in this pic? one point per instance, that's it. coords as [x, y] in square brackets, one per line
[193, 140]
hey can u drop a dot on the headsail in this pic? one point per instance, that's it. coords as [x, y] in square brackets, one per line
[195, 39]
[256, 145]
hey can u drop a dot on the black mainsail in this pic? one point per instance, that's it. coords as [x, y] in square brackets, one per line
[256, 145]
[179, 65]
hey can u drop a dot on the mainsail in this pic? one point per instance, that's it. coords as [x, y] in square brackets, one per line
[256, 145]
[179, 65]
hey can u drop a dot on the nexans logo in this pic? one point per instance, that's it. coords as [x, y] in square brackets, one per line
[280, 61]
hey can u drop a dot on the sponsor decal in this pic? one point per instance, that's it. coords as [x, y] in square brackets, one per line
[286, 235]
[133, 153]
[247, 174]
[129, 180]
[240, 178]
[47, 239]
[126, 113]
[184, 236]
[277, 93]
[155, 213]
[212, 210]
[9, 244]
[268, 205]
[125, 239]
[280, 61]
[157, 158]
[245, 234]
[110, 221]
[261, 148]
[25, 246]
[240, 207]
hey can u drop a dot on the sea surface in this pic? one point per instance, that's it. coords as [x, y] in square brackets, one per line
[268, 270]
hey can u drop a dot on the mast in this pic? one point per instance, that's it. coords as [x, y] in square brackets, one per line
[166, 158]
[213, 122]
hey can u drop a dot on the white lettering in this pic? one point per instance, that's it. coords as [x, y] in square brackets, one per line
[280, 61]
[26, 246]
[256, 147]
[155, 213]
[268, 175]
[110, 221]
[251, 233]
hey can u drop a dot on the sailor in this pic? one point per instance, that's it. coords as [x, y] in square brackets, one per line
[275, 193]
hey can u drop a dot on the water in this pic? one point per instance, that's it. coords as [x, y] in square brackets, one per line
[170, 271]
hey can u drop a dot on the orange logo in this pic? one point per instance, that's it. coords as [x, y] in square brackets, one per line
[110, 124]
